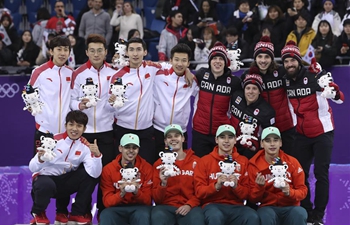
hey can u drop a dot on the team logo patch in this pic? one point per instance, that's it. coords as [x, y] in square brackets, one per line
[287, 83]
[49, 79]
[272, 121]
[206, 75]
[185, 86]
[238, 100]
[194, 164]
[256, 111]
[238, 167]
[305, 80]
[300, 170]
[147, 76]
[228, 80]
[77, 152]
[67, 78]
[275, 73]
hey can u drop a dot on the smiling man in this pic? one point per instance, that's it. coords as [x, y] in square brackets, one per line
[250, 112]
[216, 85]
[278, 205]
[172, 95]
[273, 90]
[123, 206]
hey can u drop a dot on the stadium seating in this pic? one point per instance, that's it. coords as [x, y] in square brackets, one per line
[149, 13]
[149, 3]
[13, 5]
[157, 25]
[31, 18]
[225, 12]
[34, 5]
[17, 22]
[78, 5]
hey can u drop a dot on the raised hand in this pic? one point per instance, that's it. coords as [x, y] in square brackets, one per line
[94, 149]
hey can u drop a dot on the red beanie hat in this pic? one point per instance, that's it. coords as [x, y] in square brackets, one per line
[219, 50]
[291, 50]
[264, 46]
[253, 77]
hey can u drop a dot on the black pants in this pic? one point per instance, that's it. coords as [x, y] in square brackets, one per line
[46, 187]
[202, 144]
[147, 148]
[37, 142]
[288, 141]
[105, 142]
[319, 150]
[159, 141]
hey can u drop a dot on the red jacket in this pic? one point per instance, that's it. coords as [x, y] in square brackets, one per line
[268, 195]
[109, 183]
[180, 189]
[205, 178]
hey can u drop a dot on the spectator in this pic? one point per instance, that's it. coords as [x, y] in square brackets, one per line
[66, 173]
[281, 204]
[273, 90]
[122, 205]
[343, 42]
[216, 85]
[96, 21]
[133, 33]
[53, 112]
[188, 40]
[42, 16]
[303, 34]
[250, 113]
[201, 52]
[6, 56]
[87, 8]
[11, 38]
[264, 31]
[176, 203]
[330, 15]
[234, 42]
[171, 35]
[188, 10]
[223, 204]
[315, 127]
[298, 7]
[78, 49]
[130, 20]
[245, 21]
[61, 21]
[325, 44]
[276, 22]
[28, 51]
[44, 54]
[206, 16]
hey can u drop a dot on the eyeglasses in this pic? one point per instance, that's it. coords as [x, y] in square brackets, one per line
[93, 51]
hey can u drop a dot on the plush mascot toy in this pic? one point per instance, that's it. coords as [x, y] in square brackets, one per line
[90, 91]
[48, 143]
[32, 100]
[168, 158]
[123, 59]
[247, 131]
[279, 173]
[118, 89]
[228, 168]
[235, 63]
[129, 174]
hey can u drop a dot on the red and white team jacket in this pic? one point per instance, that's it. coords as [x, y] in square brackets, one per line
[53, 83]
[69, 155]
[137, 112]
[101, 116]
[172, 98]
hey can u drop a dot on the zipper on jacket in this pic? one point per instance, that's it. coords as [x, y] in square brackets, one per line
[211, 108]
[65, 159]
[173, 106]
[99, 96]
[139, 101]
[301, 126]
[60, 102]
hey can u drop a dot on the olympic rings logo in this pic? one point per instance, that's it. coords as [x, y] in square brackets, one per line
[8, 90]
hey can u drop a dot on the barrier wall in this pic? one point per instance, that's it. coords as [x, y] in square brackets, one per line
[17, 126]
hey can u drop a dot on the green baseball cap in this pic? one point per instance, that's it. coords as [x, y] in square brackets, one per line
[225, 128]
[173, 127]
[130, 139]
[270, 130]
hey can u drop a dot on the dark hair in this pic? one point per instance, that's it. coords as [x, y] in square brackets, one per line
[273, 66]
[43, 14]
[30, 44]
[132, 7]
[329, 36]
[173, 13]
[181, 48]
[231, 31]
[304, 15]
[278, 9]
[6, 15]
[132, 32]
[95, 38]
[78, 117]
[306, 3]
[213, 37]
[60, 41]
[136, 40]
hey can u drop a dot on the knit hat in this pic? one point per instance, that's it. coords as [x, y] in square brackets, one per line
[253, 77]
[328, 1]
[264, 46]
[219, 50]
[291, 50]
